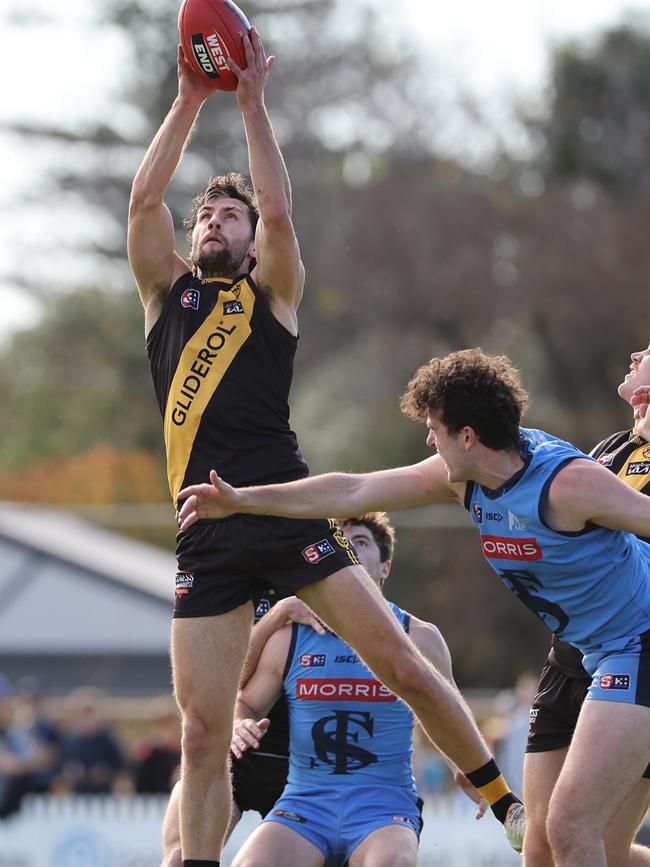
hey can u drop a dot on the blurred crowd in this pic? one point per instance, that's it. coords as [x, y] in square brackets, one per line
[76, 745]
[80, 749]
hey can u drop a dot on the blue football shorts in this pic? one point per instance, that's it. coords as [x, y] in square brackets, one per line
[337, 819]
[624, 675]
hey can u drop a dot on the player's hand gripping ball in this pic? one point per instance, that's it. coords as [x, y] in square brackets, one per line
[211, 32]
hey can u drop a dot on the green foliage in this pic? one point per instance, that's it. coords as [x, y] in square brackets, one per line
[78, 378]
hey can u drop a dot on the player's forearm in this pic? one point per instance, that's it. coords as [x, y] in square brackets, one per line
[164, 154]
[244, 711]
[267, 168]
[328, 496]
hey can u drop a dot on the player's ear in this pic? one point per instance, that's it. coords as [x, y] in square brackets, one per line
[469, 437]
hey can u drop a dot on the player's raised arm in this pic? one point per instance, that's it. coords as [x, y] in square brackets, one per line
[279, 272]
[152, 257]
[333, 495]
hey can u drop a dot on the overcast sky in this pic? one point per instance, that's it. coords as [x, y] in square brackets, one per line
[64, 67]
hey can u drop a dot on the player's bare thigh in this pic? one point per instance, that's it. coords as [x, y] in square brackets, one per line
[352, 605]
[207, 658]
[274, 845]
[390, 846]
[541, 772]
[608, 755]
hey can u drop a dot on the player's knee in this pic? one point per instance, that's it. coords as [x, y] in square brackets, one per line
[203, 742]
[537, 850]
[390, 858]
[566, 828]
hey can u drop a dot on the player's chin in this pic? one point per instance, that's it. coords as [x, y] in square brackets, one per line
[626, 388]
[455, 476]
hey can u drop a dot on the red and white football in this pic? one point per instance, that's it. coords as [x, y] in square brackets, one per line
[212, 31]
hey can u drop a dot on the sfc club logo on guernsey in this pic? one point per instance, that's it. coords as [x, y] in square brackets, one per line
[315, 553]
[191, 298]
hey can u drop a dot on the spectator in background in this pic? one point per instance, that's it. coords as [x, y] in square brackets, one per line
[29, 752]
[157, 759]
[91, 757]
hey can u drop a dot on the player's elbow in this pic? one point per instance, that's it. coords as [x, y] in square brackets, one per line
[142, 201]
[276, 216]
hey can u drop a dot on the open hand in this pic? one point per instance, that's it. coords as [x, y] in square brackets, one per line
[191, 85]
[252, 80]
[472, 793]
[216, 500]
[247, 734]
[294, 610]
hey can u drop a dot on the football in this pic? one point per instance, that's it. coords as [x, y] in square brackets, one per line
[211, 31]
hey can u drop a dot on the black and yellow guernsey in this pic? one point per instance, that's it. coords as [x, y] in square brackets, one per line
[627, 454]
[222, 366]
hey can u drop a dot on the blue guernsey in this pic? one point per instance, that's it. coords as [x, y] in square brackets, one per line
[346, 728]
[592, 587]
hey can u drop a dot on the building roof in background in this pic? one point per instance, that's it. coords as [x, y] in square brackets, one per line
[71, 588]
[67, 537]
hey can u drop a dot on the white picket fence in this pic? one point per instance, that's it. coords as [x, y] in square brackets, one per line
[125, 832]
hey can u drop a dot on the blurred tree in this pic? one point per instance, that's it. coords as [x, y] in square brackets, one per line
[344, 90]
[103, 474]
[79, 378]
[598, 127]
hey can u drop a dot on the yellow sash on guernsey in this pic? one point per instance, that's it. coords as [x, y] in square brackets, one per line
[201, 367]
[635, 472]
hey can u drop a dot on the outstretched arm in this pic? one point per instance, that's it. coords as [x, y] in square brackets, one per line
[154, 262]
[333, 495]
[279, 272]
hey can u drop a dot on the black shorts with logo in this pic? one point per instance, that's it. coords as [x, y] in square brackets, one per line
[555, 710]
[222, 564]
[258, 781]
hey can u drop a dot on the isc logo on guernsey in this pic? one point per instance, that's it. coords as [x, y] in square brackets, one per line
[502, 548]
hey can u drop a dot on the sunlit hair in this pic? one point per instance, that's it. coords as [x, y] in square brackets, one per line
[230, 186]
[471, 389]
[381, 528]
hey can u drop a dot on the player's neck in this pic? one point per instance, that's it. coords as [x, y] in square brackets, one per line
[497, 468]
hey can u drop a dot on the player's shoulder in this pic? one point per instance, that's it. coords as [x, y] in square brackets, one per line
[276, 649]
[430, 642]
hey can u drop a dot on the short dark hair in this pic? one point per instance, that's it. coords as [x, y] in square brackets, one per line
[230, 186]
[470, 388]
[381, 528]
